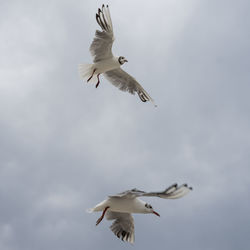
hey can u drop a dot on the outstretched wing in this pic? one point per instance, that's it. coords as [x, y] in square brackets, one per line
[129, 194]
[123, 226]
[101, 47]
[172, 192]
[126, 82]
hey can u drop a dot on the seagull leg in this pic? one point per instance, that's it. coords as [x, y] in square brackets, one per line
[98, 81]
[91, 75]
[103, 213]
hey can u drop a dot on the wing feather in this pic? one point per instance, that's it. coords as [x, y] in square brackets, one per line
[101, 47]
[107, 12]
[123, 226]
[126, 82]
[172, 192]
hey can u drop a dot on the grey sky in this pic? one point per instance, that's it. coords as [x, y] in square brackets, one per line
[65, 145]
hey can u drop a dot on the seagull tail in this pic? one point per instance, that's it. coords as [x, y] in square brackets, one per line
[99, 207]
[90, 210]
[85, 70]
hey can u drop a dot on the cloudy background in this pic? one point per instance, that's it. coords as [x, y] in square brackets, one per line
[65, 145]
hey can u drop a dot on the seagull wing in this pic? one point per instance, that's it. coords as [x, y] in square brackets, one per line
[101, 47]
[129, 194]
[123, 226]
[172, 192]
[126, 82]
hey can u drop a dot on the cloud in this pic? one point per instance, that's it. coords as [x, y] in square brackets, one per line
[65, 145]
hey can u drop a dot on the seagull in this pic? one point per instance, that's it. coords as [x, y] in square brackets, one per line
[106, 63]
[119, 208]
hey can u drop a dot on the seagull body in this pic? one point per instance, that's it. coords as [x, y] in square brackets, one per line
[120, 207]
[107, 64]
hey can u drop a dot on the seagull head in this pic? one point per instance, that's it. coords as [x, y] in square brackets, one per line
[149, 209]
[122, 60]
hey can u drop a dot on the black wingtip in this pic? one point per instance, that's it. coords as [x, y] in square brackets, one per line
[99, 21]
[142, 97]
[186, 185]
[97, 18]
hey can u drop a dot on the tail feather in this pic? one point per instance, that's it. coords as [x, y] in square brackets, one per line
[90, 210]
[85, 70]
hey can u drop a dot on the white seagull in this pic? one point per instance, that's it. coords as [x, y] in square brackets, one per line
[119, 208]
[107, 64]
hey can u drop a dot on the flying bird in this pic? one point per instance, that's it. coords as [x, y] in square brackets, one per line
[106, 63]
[119, 208]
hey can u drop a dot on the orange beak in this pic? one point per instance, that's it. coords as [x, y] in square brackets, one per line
[156, 213]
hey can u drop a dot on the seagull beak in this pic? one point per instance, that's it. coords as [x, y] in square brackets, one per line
[156, 213]
[125, 60]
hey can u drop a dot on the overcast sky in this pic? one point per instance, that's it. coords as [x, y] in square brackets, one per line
[65, 145]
